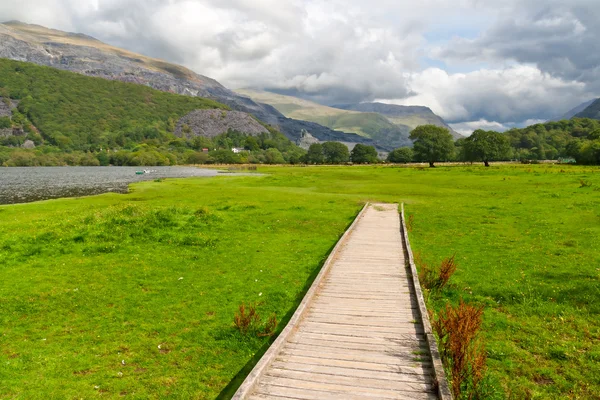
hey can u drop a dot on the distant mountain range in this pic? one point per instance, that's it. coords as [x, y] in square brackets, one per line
[572, 113]
[591, 111]
[368, 124]
[411, 116]
[385, 123]
[86, 55]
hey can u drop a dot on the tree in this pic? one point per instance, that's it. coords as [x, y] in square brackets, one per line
[335, 153]
[401, 155]
[273, 156]
[363, 154]
[486, 146]
[432, 143]
[315, 154]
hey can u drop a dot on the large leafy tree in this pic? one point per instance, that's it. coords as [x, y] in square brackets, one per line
[335, 153]
[432, 143]
[486, 146]
[363, 154]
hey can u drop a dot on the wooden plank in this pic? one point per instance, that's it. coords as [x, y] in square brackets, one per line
[339, 379]
[306, 393]
[354, 373]
[414, 369]
[399, 357]
[350, 328]
[350, 342]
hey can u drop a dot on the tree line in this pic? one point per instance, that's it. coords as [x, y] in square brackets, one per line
[575, 140]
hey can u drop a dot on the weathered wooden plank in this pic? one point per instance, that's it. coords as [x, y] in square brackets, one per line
[358, 341]
[350, 328]
[308, 390]
[354, 373]
[339, 379]
[415, 369]
[399, 357]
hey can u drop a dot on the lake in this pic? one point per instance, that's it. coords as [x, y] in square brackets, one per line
[26, 184]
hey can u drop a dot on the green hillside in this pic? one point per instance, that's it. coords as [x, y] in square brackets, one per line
[76, 112]
[372, 125]
[78, 120]
[591, 111]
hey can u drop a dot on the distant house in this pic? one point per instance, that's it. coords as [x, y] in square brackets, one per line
[205, 151]
[237, 150]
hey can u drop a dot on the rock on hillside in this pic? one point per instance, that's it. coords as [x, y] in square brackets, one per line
[6, 107]
[86, 55]
[211, 123]
[411, 116]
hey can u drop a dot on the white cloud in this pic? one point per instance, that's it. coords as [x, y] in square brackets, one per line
[466, 128]
[511, 94]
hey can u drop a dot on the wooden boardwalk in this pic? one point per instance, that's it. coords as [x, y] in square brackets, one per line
[359, 332]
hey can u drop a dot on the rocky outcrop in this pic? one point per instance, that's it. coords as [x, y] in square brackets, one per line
[306, 140]
[211, 123]
[6, 106]
[86, 55]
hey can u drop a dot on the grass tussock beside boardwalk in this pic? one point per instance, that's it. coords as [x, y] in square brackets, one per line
[134, 295]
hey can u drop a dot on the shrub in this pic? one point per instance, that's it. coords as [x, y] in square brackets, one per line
[435, 278]
[270, 326]
[5, 123]
[461, 349]
[247, 320]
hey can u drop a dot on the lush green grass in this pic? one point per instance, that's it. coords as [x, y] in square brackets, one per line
[99, 278]
[88, 283]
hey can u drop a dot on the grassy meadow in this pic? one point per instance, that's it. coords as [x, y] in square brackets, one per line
[134, 295]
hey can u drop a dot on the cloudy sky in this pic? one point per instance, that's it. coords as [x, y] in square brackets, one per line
[477, 63]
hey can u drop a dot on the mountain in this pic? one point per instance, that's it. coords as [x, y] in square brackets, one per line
[368, 124]
[591, 111]
[86, 55]
[411, 116]
[571, 113]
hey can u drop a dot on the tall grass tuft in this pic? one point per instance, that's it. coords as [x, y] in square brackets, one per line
[461, 348]
[270, 327]
[435, 278]
[247, 320]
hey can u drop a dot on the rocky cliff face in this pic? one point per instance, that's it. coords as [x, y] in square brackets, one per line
[211, 123]
[86, 55]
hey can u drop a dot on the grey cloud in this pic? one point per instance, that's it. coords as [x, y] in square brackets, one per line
[561, 38]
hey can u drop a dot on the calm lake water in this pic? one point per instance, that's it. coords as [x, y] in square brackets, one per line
[22, 185]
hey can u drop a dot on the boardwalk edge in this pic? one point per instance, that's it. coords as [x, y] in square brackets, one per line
[253, 378]
[438, 368]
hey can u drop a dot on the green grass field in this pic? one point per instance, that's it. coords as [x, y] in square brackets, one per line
[91, 287]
